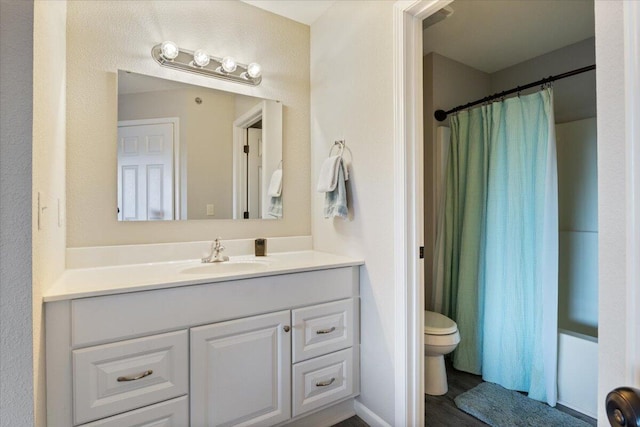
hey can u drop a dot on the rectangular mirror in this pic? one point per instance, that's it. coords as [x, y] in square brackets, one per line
[188, 152]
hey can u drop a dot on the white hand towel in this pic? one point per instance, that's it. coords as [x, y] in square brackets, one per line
[275, 185]
[329, 174]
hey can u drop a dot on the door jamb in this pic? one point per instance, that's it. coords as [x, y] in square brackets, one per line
[249, 118]
[408, 211]
[632, 98]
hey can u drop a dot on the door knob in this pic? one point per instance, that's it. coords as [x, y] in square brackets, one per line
[623, 407]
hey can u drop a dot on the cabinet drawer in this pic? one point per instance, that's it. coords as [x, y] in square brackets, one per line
[320, 381]
[323, 328]
[114, 378]
[172, 413]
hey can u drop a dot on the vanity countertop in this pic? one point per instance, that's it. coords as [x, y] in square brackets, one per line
[99, 281]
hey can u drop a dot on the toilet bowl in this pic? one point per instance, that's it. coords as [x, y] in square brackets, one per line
[441, 337]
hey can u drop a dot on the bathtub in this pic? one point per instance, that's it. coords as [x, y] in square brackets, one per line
[578, 372]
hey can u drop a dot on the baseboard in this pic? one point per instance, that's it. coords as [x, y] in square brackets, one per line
[581, 410]
[326, 417]
[368, 416]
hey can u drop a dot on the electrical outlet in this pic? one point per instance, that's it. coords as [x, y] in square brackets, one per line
[210, 210]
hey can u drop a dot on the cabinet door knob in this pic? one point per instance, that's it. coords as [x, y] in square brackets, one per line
[286, 328]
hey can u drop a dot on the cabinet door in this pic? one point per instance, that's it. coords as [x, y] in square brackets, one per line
[241, 372]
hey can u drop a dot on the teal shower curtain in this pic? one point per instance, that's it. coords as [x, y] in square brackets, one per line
[501, 243]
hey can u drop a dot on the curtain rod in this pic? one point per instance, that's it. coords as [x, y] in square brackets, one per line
[441, 115]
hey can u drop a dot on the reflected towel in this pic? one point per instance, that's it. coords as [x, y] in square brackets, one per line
[329, 174]
[335, 202]
[275, 207]
[275, 185]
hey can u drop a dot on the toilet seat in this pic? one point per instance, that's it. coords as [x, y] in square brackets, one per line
[438, 324]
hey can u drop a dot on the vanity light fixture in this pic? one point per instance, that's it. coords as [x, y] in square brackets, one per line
[254, 70]
[201, 58]
[169, 50]
[168, 54]
[229, 64]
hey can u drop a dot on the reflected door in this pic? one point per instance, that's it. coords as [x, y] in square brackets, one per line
[254, 172]
[145, 172]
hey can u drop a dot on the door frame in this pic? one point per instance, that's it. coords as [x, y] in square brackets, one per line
[179, 196]
[408, 214]
[632, 84]
[243, 122]
[408, 207]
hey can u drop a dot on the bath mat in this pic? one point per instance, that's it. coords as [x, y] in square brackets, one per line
[500, 407]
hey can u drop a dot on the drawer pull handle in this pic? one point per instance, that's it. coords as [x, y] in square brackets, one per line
[325, 383]
[325, 331]
[135, 377]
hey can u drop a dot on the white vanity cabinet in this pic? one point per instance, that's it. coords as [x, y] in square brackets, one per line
[260, 351]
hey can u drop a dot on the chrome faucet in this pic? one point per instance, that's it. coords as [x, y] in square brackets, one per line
[216, 253]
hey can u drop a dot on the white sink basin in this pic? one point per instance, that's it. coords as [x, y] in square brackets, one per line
[240, 266]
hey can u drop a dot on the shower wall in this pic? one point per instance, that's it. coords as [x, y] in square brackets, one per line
[574, 97]
[578, 206]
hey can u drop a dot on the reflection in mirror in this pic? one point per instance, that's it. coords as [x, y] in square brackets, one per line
[189, 152]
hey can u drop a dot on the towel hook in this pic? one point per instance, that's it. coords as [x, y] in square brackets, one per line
[341, 144]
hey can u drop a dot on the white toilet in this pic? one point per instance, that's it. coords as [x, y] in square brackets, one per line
[441, 337]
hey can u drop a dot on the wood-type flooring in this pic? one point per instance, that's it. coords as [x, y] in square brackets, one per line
[441, 411]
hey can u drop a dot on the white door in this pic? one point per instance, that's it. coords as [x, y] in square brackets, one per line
[254, 172]
[145, 172]
[241, 372]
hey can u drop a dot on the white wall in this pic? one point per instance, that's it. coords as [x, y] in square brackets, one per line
[49, 138]
[614, 345]
[104, 36]
[16, 90]
[351, 99]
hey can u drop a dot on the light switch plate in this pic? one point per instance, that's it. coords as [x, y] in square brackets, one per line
[210, 210]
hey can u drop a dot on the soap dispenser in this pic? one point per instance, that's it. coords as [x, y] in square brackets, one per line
[261, 247]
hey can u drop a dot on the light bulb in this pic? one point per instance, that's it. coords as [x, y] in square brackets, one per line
[228, 64]
[201, 58]
[254, 70]
[169, 50]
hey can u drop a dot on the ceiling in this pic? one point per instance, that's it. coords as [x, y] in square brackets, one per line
[490, 35]
[304, 11]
